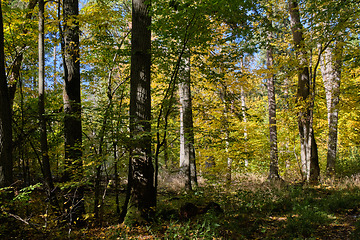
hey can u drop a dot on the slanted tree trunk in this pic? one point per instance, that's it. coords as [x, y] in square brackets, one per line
[6, 161]
[141, 170]
[304, 100]
[187, 151]
[274, 167]
[43, 135]
[16, 66]
[331, 73]
[72, 104]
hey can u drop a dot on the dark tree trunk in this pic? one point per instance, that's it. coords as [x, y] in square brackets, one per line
[304, 97]
[97, 191]
[72, 96]
[72, 102]
[6, 161]
[141, 170]
[274, 167]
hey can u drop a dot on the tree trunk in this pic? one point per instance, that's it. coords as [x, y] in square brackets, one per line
[116, 176]
[97, 197]
[72, 102]
[141, 169]
[225, 126]
[331, 73]
[244, 119]
[16, 66]
[43, 134]
[6, 161]
[187, 151]
[304, 97]
[274, 167]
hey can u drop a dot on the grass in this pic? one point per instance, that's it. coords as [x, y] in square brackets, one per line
[252, 209]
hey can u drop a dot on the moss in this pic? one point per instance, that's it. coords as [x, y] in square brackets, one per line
[133, 216]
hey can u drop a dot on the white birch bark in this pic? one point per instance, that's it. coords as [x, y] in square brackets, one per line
[187, 151]
[330, 64]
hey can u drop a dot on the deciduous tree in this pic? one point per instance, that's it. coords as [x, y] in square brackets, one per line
[6, 161]
[308, 153]
[141, 170]
[42, 118]
[187, 150]
[72, 106]
[330, 63]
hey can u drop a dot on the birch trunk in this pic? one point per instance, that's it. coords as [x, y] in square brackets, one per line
[331, 73]
[187, 151]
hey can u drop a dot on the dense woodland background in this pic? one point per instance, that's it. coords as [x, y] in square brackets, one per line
[219, 119]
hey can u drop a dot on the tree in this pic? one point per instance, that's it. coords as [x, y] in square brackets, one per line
[14, 75]
[42, 118]
[6, 162]
[187, 150]
[274, 167]
[330, 63]
[309, 158]
[141, 171]
[72, 104]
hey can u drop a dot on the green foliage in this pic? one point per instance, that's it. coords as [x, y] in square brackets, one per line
[349, 164]
[24, 193]
[304, 224]
[201, 229]
[356, 234]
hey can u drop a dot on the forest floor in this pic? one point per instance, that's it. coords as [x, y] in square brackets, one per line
[251, 208]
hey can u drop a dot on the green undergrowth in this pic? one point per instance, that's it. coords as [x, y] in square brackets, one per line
[259, 210]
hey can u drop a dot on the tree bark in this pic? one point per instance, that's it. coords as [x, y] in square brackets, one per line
[331, 73]
[16, 66]
[187, 151]
[141, 170]
[274, 167]
[304, 99]
[72, 102]
[6, 161]
[244, 119]
[72, 95]
[42, 118]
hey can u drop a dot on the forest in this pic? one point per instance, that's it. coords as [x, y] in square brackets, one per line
[179, 119]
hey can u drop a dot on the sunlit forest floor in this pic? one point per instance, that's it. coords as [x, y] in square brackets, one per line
[250, 208]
